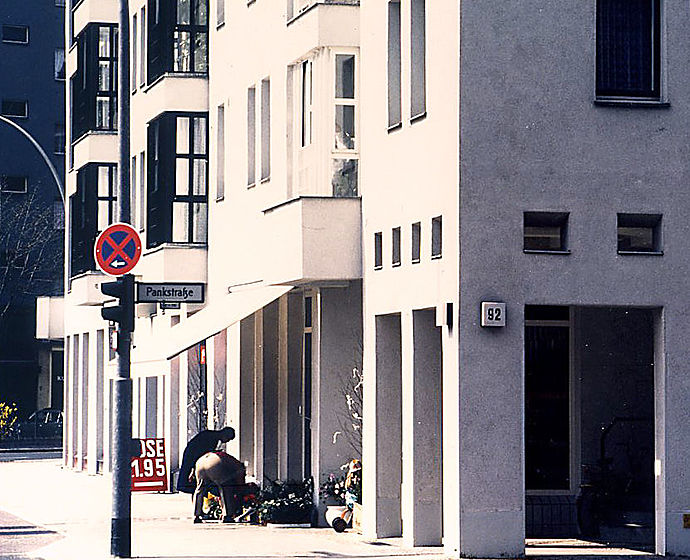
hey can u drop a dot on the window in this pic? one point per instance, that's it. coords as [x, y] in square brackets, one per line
[344, 102]
[220, 160]
[177, 179]
[133, 191]
[395, 256]
[418, 59]
[394, 65]
[15, 108]
[142, 49]
[416, 242]
[639, 233]
[307, 95]
[59, 64]
[18, 34]
[13, 183]
[141, 211]
[545, 231]
[628, 49]
[436, 237]
[59, 147]
[178, 37]
[345, 163]
[378, 250]
[92, 209]
[220, 12]
[251, 136]
[94, 84]
[135, 58]
[344, 177]
[265, 129]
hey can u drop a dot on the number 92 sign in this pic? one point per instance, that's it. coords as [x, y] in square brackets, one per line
[149, 470]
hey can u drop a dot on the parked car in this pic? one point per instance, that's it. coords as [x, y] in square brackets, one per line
[45, 424]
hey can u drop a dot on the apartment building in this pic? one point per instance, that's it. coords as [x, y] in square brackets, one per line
[32, 66]
[478, 206]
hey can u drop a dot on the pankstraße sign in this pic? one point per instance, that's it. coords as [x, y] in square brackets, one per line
[169, 292]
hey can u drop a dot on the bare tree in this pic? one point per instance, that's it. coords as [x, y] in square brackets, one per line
[31, 248]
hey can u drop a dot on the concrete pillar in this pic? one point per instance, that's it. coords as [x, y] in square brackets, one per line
[99, 400]
[83, 397]
[171, 431]
[422, 430]
[210, 383]
[270, 394]
[219, 367]
[247, 404]
[136, 416]
[162, 408]
[151, 407]
[387, 437]
[67, 440]
[491, 438]
[258, 386]
[184, 428]
[92, 406]
[282, 387]
[234, 388]
[295, 434]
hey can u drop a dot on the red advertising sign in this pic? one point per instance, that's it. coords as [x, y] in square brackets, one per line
[149, 470]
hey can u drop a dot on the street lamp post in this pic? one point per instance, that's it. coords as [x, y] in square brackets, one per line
[41, 151]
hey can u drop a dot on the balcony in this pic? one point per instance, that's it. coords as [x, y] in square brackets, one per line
[99, 145]
[88, 11]
[50, 318]
[311, 239]
[172, 92]
[323, 23]
[85, 289]
[174, 263]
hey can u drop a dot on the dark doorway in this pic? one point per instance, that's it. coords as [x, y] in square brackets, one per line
[589, 424]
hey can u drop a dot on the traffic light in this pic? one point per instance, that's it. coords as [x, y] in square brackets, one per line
[123, 312]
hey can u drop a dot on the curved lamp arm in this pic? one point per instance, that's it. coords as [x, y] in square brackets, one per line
[40, 151]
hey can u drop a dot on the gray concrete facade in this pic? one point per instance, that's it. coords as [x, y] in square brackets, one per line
[533, 139]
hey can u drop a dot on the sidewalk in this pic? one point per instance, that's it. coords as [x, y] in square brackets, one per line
[77, 507]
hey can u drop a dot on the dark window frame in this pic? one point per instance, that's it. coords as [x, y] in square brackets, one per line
[8, 182]
[618, 53]
[25, 28]
[161, 187]
[437, 237]
[87, 92]
[627, 223]
[7, 112]
[534, 221]
[378, 250]
[396, 242]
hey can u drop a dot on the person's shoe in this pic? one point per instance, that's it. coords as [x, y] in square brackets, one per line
[198, 519]
[227, 519]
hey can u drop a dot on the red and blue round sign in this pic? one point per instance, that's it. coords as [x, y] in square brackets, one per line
[117, 249]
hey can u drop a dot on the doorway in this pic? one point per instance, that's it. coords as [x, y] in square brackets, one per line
[589, 424]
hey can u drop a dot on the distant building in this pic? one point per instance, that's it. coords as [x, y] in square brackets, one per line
[32, 94]
[479, 205]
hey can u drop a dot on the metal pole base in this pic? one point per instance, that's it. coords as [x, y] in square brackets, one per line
[121, 538]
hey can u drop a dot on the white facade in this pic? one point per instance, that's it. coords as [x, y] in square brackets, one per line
[335, 174]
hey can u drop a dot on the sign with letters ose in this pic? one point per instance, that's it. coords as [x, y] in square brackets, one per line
[149, 470]
[170, 293]
[493, 314]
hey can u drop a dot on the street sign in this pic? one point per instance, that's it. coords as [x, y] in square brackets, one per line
[149, 470]
[117, 249]
[170, 293]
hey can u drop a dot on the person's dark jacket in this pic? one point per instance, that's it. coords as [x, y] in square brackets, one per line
[203, 442]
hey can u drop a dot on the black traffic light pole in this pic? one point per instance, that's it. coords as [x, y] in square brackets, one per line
[121, 520]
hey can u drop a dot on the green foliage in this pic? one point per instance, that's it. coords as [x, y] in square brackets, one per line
[286, 502]
[8, 420]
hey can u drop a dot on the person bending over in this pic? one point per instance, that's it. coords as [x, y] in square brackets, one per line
[203, 442]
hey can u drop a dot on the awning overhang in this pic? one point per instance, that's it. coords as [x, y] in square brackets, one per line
[214, 318]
